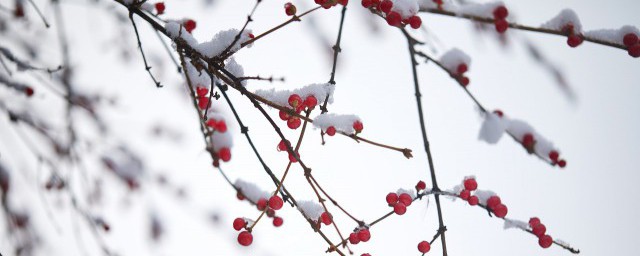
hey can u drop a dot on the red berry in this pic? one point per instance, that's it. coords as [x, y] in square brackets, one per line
[28, 91]
[553, 155]
[326, 218]
[239, 223]
[271, 213]
[353, 238]
[545, 241]
[292, 158]
[500, 13]
[365, 254]
[284, 115]
[533, 221]
[276, 203]
[160, 7]
[421, 185]
[367, 3]
[290, 9]
[424, 247]
[277, 221]
[470, 184]
[392, 198]
[282, 146]
[538, 229]
[294, 123]
[385, 6]
[630, 39]
[399, 208]
[331, 131]
[528, 140]
[343, 2]
[220, 126]
[415, 22]
[358, 126]
[574, 40]
[493, 201]
[240, 196]
[224, 154]
[498, 112]
[252, 36]
[364, 235]
[203, 102]
[295, 100]
[262, 204]
[473, 200]
[562, 163]
[201, 91]
[189, 25]
[501, 26]
[245, 238]
[311, 102]
[394, 19]
[500, 210]
[465, 194]
[464, 81]
[634, 51]
[405, 199]
[462, 68]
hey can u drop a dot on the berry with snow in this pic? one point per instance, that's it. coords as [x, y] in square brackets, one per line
[533, 221]
[326, 218]
[310, 102]
[290, 9]
[464, 81]
[553, 155]
[224, 154]
[189, 25]
[394, 19]
[239, 223]
[28, 91]
[473, 200]
[500, 13]
[331, 131]
[465, 194]
[421, 185]
[358, 126]
[424, 247]
[295, 100]
[470, 184]
[415, 22]
[462, 68]
[493, 201]
[203, 102]
[201, 91]
[574, 40]
[385, 6]
[405, 199]
[245, 238]
[501, 26]
[528, 141]
[275, 202]
[400, 208]
[630, 39]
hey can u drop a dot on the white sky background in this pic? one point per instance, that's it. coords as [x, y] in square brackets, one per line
[588, 204]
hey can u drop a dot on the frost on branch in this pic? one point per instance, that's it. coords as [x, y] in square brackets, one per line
[281, 97]
[453, 58]
[343, 123]
[311, 209]
[613, 35]
[564, 18]
[251, 191]
[492, 128]
[511, 223]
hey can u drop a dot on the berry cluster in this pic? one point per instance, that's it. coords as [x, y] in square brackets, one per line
[357, 126]
[360, 235]
[393, 18]
[270, 207]
[500, 14]
[574, 39]
[460, 70]
[538, 229]
[290, 9]
[399, 202]
[331, 3]
[633, 44]
[529, 142]
[159, 8]
[202, 97]
[296, 102]
[493, 202]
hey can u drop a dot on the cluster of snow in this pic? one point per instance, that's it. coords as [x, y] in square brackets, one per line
[343, 123]
[235, 69]
[494, 127]
[198, 78]
[406, 8]
[613, 35]
[251, 191]
[511, 223]
[564, 18]
[410, 192]
[221, 41]
[310, 209]
[484, 10]
[176, 30]
[453, 58]
[281, 97]
[483, 195]
[148, 7]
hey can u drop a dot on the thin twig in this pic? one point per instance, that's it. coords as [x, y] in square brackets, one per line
[144, 58]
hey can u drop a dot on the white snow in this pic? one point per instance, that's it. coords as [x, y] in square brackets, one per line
[410, 191]
[613, 35]
[492, 128]
[251, 191]
[281, 97]
[566, 16]
[511, 223]
[234, 68]
[483, 195]
[343, 123]
[175, 30]
[453, 58]
[197, 78]
[519, 128]
[221, 41]
[311, 209]
[406, 8]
